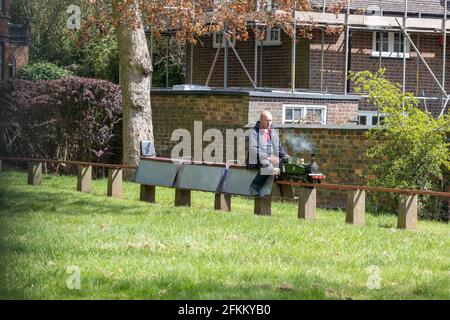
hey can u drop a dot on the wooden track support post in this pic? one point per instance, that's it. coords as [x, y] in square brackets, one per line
[307, 204]
[407, 212]
[34, 173]
[356, 207]
[222, 202]
[263, 206]
[182, 198]
[115, 183]
[84, 179]
[148, 193]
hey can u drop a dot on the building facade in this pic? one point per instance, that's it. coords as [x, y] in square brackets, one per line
[322, 63]
[13, 43]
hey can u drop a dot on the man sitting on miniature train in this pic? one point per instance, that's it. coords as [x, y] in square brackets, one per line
[265, 151]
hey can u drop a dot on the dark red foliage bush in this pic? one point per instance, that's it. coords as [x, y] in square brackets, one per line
[68, 119]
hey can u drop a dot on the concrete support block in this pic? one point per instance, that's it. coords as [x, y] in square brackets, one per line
[115, 183]
[263, 206]
[222, 202]
[407, 212]
[356, 207]
[182, 198]
[34, 173]
[148, 193]
[307, 204]
[84, 179]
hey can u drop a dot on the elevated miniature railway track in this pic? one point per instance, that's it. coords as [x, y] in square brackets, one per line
[226, 180]
[342, 187]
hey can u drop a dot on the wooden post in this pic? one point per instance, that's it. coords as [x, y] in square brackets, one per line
[182, 198]
[115, 183]
[407, 212]
[222, 202]
[0, 165]
[148, 193]
[84, 179]
[307, 204]
[263, 206]
[34, 173]
[356, 207]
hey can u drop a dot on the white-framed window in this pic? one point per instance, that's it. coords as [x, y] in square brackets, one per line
[272, 37]
[269, 5]
[304, 114]
[218, 38]
[391, 45]
[370, 118]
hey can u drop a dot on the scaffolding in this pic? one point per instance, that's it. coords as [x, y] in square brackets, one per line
[350, 20]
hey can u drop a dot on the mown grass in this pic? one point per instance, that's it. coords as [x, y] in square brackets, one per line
[126, 249]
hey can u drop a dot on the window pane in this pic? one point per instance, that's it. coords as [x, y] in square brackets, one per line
[317, 114]
[298, 114]
[374, 120]
[362, 120]
[288, 115]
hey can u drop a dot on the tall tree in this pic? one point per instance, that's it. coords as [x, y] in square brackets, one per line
[135, 69]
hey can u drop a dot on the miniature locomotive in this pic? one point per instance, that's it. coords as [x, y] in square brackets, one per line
[295, 169]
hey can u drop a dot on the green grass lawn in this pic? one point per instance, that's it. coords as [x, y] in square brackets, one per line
[127, 249]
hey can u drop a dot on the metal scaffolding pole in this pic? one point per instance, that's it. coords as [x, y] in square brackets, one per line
[404, 47]
[167, 61]
[321, 59]
[347, 34]
[225, 63]
[191, 70]
[444, 54]
[261, 63]
[444, 49]
[213, 65]
[380, 48]
[422, 58]
[293, 51]
[256, 61]
[243, 65]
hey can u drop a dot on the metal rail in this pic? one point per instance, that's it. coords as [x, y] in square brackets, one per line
[366, 188]
[293, 184]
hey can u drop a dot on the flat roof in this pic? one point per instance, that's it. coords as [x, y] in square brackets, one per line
[255, 93]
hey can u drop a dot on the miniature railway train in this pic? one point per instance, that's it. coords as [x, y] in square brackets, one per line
[295, 169]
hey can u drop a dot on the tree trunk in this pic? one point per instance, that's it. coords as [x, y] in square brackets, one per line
[135, 81]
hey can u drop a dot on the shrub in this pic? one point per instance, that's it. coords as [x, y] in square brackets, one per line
[68, 119]
[410, 150]
[42, 71]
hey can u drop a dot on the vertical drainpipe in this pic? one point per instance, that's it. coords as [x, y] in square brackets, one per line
[347, 34]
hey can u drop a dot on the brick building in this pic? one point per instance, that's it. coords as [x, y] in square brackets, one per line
[321, 86]
[13, 43]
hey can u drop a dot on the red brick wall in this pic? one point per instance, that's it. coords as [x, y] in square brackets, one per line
[340, 155]
[334, 62]
[4, 33]
[338, 111]
[171, 112]
[276, 69]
